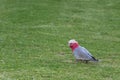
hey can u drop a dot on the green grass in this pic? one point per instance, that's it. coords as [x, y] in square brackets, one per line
[34, 36]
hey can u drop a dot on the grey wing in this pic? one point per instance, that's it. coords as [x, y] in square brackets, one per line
[84, 53]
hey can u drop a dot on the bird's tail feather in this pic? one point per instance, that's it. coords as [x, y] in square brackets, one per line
[94, 59]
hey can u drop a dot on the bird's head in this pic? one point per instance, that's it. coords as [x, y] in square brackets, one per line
[72, 42]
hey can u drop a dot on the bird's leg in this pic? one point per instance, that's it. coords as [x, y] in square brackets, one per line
[77, 60]
[86, 61]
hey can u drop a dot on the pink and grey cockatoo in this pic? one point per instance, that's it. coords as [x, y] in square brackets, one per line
[80, 53]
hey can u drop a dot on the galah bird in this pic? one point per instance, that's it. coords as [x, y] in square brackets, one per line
[80, 53]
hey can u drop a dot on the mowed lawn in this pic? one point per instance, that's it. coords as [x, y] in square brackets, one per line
[34, 37]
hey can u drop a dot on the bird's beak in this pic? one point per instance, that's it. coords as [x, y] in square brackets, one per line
[71, 44]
